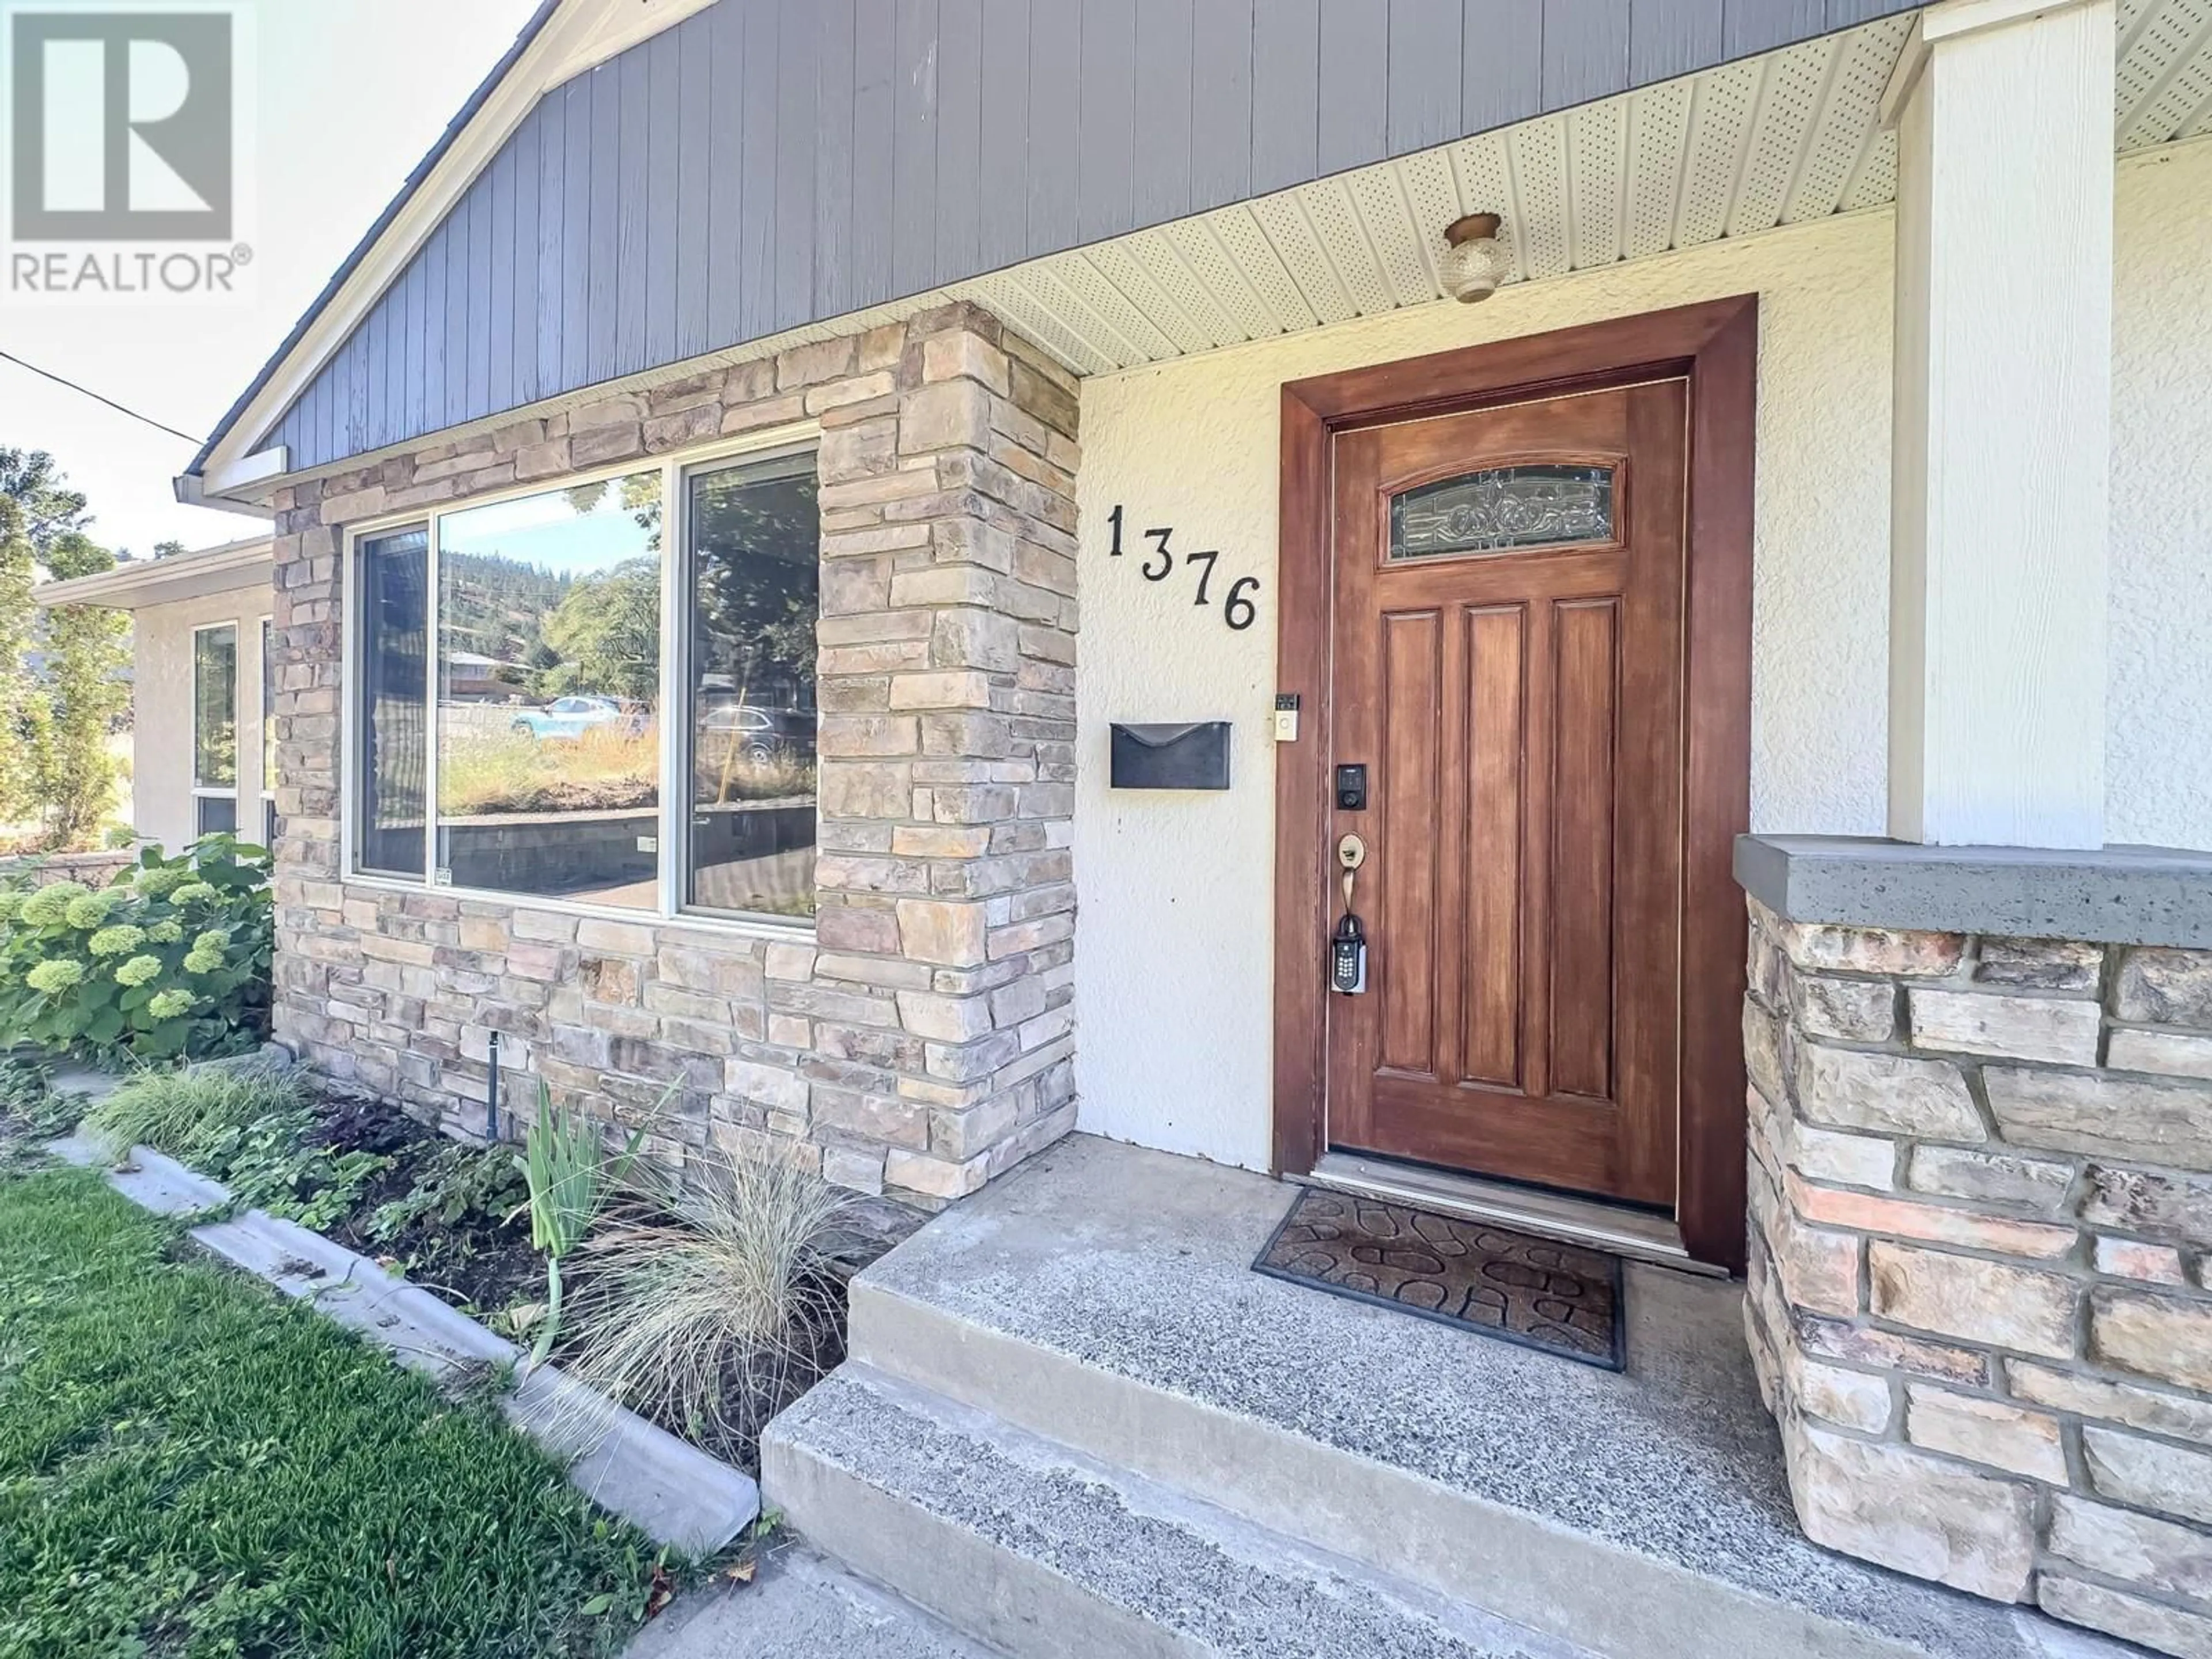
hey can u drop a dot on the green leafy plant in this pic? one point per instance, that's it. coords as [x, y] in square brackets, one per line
[173, 959]
[453, 1184]
[571, 1180]
[248, 1129]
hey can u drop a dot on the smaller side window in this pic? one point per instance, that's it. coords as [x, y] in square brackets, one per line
[214, 728]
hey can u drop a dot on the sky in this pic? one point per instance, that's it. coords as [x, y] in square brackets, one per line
[350, 94]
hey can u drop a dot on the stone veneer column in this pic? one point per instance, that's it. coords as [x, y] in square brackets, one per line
[923, 1039]
[1980, 1297]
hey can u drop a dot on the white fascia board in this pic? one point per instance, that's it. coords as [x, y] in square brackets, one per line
[562, 48]
[145, 582]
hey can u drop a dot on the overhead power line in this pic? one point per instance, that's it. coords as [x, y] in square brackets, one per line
[121, 408]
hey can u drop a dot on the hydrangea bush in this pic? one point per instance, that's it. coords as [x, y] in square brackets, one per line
[173, 959]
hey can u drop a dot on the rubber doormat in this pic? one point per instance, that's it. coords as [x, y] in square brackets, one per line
[1536, 1292]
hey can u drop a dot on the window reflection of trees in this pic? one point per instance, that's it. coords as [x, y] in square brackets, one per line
[549, 671]
[754, 535]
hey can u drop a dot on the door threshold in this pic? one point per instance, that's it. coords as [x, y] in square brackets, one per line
[1634, 1233]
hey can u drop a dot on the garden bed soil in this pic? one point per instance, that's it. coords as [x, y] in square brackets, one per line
[482, 1261]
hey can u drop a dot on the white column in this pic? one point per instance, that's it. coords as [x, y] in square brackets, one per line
[2002, 416]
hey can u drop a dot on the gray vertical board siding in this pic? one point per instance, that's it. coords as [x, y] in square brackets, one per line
[663, 81]
[1750, 26]
[1056, 94]
[435, 332]
[1286, 92]
[726, 173]
[476, 319]
[834, 59]
[522, 275]
[913, 145]
[1667, 37]
[1424, 58]
[1501, 62]
[499, 297]
[757, 120]
[632, 291]
[1355, 83]
[796, 34]
[767, 163]
[875, 49]
[604, 238]
[1163, 89]
[576, 232]
[1002, 182]
[1106, 141]
[693, 182]
[1585, 50]
[376, 422]
[959, 137]
[552, 140]
[1843, 14]
[1221, 140]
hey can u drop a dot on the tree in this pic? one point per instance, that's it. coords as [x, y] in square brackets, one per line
[606, 634]
[74, 777]
[50, 508]
[18, 613]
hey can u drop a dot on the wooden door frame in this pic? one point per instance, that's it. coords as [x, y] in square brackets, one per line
[1715, 345]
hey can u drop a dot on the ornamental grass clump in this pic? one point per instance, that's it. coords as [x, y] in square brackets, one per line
[187, 1113]
[714, 1314]
[172, 960]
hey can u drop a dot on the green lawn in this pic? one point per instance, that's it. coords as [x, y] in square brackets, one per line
[190, 1466]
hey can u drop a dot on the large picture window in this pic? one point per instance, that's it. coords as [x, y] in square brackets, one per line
[537, 633]
[214, 728]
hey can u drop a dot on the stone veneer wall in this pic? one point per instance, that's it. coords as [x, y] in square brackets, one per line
[923, 1038]
[1980, 1297]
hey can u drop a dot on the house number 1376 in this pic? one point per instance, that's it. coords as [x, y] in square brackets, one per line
[1237, 609]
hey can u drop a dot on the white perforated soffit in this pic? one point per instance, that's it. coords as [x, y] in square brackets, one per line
[1776, 140]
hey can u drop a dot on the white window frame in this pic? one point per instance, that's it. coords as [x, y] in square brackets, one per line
[675, 469]
[217, 791]
[263, 831]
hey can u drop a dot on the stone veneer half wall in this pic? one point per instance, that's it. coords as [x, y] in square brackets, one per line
[1980, 1297]
[922, 1038]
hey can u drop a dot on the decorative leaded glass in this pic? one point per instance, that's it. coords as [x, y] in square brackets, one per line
[1503, 509]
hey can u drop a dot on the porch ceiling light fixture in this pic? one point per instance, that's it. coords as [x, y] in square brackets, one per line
[1475, 261]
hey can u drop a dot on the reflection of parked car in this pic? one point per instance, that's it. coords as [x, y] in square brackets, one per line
[755, 735]
[571, 717]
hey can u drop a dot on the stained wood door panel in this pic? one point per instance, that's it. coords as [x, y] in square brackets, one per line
[1519, 710]
[1490, 855]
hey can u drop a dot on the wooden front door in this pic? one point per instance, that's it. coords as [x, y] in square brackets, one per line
[1507, 661]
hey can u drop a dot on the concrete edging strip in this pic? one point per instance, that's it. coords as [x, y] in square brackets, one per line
[669, 1489]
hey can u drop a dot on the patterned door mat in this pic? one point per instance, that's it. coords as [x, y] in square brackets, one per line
[1532, 1291]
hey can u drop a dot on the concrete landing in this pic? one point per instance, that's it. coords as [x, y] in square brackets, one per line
[1101, 1297]
[802, 1606]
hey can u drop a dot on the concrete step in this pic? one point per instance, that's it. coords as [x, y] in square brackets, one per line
[1044, 1553]
[1102, 1297]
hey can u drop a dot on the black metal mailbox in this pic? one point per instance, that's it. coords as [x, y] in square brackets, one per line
[1191, 755]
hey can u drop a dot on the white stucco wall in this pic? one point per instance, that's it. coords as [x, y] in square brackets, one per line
[162, 738]
[2158, 709]
[1174, 968]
